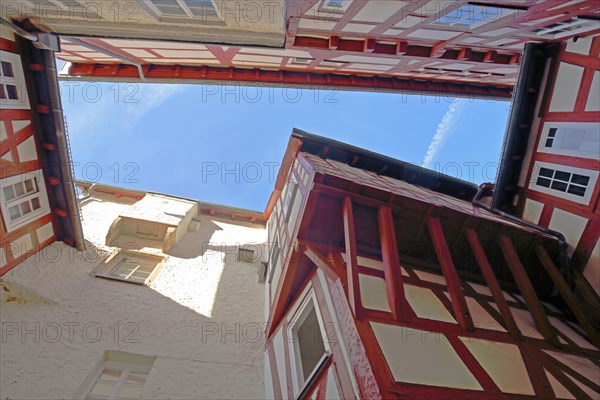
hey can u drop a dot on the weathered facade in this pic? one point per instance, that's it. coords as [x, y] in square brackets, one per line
[37, 196]
[390, 281]
[130, 317]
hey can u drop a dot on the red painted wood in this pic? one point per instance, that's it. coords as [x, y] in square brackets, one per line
[310, 79]
[391, 265]
[527, 290]
[352, 263]
[567, 295]
[459, 304]
[332, 330]
[274, 371]
[484, 379]
[492, 282]
[320, 262]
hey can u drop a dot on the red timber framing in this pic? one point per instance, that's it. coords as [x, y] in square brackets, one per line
[285, 78]
[527, 290]
[20, 126]
[552, 204]
[391, 264]
[352, 46]
[541, 338]
[352, 264]
[461, 310]
[492, 282]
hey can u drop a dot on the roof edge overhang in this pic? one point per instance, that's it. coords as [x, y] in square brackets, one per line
[56, 160]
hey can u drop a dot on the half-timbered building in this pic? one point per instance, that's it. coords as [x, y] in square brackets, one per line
[390, 281]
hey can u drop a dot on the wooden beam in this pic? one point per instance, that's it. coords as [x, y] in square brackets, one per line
[391, 265]
[492, 282]
[527, 291]
[352, 263]
[315, 256]
[567, 295]
[459, 304]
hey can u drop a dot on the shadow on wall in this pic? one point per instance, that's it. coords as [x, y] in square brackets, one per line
[195, 244]
[214, 356]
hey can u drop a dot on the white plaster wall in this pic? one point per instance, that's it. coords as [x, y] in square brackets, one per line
[202, 317]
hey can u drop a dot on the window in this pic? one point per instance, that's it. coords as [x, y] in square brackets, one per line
[273, 258]
[570, 183]
[336, 6]
[120, 376]
[571, 139]
[131, 266]
[182, 10]
[472, 16]
[246, 255]
[24, 199]
[569, 27]
[13, 90]
[310, 349]
[289, 199]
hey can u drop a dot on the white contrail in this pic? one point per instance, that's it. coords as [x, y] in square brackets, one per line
[443, 129]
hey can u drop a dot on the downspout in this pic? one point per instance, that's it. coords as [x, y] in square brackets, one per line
[89, 193]
[19, 31]
[108, 53]
[486, 188]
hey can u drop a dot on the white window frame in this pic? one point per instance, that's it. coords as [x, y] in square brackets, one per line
[585, 200]
[566, 152]
[40, 194]
[299, 312]
[126, 362]
[466, 15]
[334, 6]
[189, 15]
[107, 268]
[573, 26]
[18, 80]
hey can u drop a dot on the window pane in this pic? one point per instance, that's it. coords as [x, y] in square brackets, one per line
[549, 142]
[571, 144]
[9, 193]
[29, 187]
[14, 212]
[543, 182]
[35, 203]
[563, 176]
[11, 91]
[25, 208]
[546, 172]
[2, 92]
[552, 132]
[132, 270]
[7, 69]
[577, 190]
[557, 185]
[131, 391]
[106, 382]
[19, 189]
[580, 179]
[310, 343]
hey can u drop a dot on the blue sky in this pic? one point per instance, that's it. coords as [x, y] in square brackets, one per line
[220, 143]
